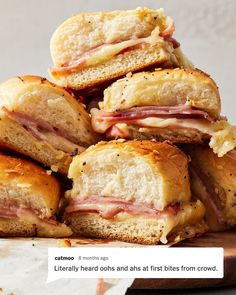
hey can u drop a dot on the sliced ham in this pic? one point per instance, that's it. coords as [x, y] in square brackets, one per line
[32, 122]
[105, 52]
[169, 30]
[137, 113]
[45, 132]
[115, 132]
[172, 40]
[8, 211]
[14, 211]
[109, 207]
[209, 197]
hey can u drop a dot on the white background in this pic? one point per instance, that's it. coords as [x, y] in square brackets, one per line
[205, 28]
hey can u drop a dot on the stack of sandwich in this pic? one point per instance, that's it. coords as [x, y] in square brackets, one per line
[123, 103]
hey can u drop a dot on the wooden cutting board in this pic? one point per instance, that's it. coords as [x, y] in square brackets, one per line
[227, 240]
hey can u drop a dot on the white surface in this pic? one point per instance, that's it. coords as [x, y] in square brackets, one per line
[23, 271]
[144, 262]
[205, 28]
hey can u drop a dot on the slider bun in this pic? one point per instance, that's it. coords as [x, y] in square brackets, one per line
[220, 174]
[23, 227]
[176, 135]
[86, 31]
[16, 228]
[152, 172]
[118, 66]
[53, 104]
[41, 100]
[163, 88]
[25, 183]
[138, 229]
[14, 137]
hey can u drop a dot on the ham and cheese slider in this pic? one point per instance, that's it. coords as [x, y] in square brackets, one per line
[213, 181]
[180, 105]
[43, 121]
[91, 48]
[135, 191]
[29, 200]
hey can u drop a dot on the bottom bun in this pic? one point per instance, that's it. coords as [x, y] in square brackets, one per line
[120, 65]
[143, 230]
[173, 134]
[15, 227]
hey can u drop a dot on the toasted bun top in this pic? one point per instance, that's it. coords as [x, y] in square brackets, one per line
[42, 100]
[86, 31]
[148, 171]
[28, 184]
[163, 88]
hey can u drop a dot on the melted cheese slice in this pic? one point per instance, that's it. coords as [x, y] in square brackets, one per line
[188, 215]
[108, 51]
[59, 142]
[223, 137]
[44, 228]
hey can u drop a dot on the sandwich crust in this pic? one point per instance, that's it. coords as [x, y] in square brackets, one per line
[167, 87]
[152, 172]
[37, 102]
[26, 183]
[219, 176]
[86, 31]
[54, 105]
[108, 45]
[29, 199]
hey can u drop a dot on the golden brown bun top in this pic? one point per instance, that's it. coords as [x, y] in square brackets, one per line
[38, 98]
[13, 88]
[164, 88]
[29, 181]
[223, 169]
[151, 171]
[160, 151]
[86, 31]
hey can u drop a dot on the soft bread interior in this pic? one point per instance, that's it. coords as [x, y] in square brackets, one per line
[164, 88]
[148, 172]
[14, 137]
[45, 102]
[86, 31]
[187, 223]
